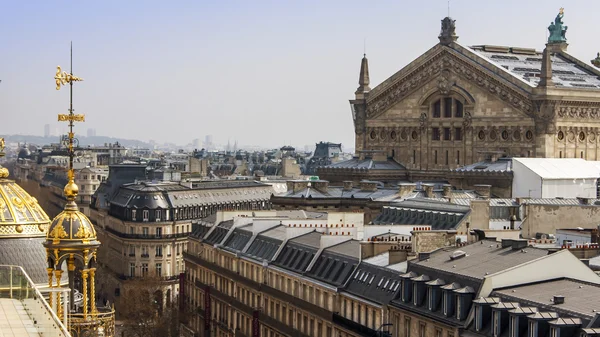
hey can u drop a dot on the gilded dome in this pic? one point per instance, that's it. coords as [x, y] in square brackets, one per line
[20, 213]
[71, 227]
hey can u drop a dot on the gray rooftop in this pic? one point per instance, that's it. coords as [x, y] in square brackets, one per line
[581, 299]
[482, 258]
[368, 164]
[527, 67]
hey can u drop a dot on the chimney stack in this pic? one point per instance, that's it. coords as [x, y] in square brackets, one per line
[428, 188]
[483, 190]
[347, 185]
[405, 189]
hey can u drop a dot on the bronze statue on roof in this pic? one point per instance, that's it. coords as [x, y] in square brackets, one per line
[558, 29]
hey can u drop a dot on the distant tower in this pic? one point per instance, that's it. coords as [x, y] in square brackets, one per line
[47, 130]
[359, 105]
[235, 146]
[72, 239]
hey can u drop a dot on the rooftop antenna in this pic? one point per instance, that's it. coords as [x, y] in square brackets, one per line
[365, 47]
[448, 8]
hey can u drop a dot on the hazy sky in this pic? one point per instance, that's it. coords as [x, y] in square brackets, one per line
[263, 72]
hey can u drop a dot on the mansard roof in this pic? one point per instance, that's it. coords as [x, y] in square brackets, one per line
[479, 260]
[374, 283]
[298, 253]
[335, 264]
[581, 299]
[438, 215]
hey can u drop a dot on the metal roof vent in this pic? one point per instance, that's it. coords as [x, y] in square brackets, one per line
[457, 255]
[558, 299]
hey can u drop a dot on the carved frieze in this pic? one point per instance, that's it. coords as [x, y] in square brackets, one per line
[449, 66]
[578, 112]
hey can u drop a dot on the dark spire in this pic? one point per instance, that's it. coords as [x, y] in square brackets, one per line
[546, 75]
[363, 79]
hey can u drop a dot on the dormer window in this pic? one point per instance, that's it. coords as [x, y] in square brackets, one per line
[496, 323]
[532, 329]
[416, 293]
[514, 326]
[430, 298]
[478, 317]
[133, 214]
[459, 304]
[554, 332]
[145, 215]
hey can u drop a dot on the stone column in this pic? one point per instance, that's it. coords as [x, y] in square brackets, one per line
[84, 276]
[93, 308]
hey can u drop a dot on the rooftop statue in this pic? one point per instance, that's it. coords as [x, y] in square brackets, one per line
[448, 33]
[558, 29]
[596, 61]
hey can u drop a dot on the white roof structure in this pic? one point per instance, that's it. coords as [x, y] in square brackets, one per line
[561, 168]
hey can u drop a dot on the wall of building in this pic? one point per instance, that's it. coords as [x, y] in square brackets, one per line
[548, 218]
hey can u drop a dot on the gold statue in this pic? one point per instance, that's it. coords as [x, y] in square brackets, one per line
[561, 11]
[2, 144]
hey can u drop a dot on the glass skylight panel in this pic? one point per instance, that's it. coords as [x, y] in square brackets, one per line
[372, 278]
[380, 282]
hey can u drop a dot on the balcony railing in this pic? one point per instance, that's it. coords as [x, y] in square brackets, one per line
[147, 236]
[15, 285]
[353, 326]
[101, 321]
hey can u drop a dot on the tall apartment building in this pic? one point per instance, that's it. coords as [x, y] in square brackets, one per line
[144, 226]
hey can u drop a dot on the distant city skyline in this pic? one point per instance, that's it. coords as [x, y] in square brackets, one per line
[263, 73]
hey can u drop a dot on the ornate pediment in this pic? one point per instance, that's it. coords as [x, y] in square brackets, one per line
[446, 68]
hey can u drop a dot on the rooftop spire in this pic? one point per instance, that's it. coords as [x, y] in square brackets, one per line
[363, 79]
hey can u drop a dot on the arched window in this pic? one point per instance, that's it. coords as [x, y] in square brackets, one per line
[447, 107]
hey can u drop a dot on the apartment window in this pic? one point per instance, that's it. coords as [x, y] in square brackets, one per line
[144, 269]
[458, 133]
[447, 157]
[132, 269]
[422, 329]
[514, 326]
[496, 326]
[478, 318]
[406, 327]
[131, 250]
[167, 215]
[144, 251]
[159, 251]
[157, 214]
[435, 134]
[133, 214]
[438, 332]
[458, 157]
[159, 269]
[444, 303]
[430, 298]
[145, 231]
[414, 157]
[437, 109]
[435, 157]
[532, 329]
[446, 133]
[459, 109]
[158, 231]
[145, 215]
[448, 107]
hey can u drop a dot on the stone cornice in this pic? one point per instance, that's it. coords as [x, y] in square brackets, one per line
[427, 71]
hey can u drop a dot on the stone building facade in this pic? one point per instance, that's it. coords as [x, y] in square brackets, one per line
[454, 103]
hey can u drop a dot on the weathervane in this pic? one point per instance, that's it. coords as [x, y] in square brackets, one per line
[62, 78]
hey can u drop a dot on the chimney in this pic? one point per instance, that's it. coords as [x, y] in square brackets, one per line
[297, 185]
[483, 190]
[513, 218]
[546, 75]
[397, 256]
[519, 244]
[447, 190]
[368, 186]
[558, 299]
[347, 185]
[321, 185]
[405, 189]
[506, 243]
[428, 188]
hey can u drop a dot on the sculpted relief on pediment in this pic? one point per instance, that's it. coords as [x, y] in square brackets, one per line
[446, 68]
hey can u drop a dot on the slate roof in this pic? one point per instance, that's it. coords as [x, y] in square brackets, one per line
[266, 244]
[238, 239]
[368, 164]
[500, 165]
[299, 252]
[581, 299]
[28, 253]
[438, 215]
[527, 67]
[482, 258]
[219, 232]
[374, 283]
[336, 263]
